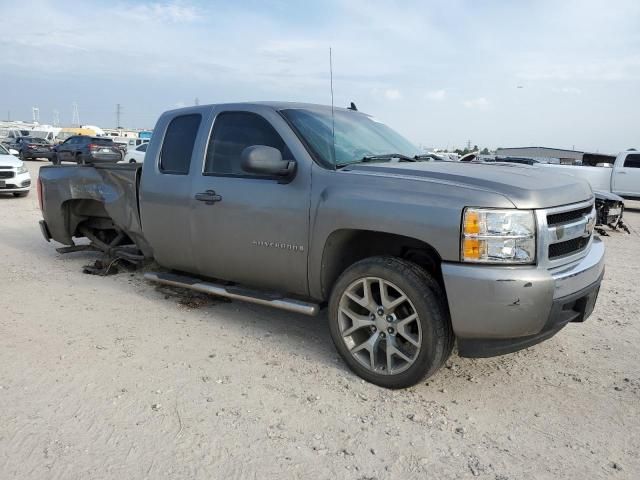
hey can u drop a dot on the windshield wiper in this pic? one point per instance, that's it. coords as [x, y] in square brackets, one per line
[381, 157]
[388, 156]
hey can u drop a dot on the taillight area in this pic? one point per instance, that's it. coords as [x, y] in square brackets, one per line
[92, 146]
[39, 189]
[32, 145]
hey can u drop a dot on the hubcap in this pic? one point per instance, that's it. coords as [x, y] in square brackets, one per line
[379, 325]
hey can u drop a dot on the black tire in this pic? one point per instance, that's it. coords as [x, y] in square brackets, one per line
[131, 160]
[429, 303]
[21, 155]
[20, 194]
[54, 159]
[79, 159]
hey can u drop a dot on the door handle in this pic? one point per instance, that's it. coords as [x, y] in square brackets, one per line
[621, 173]
[209, 197]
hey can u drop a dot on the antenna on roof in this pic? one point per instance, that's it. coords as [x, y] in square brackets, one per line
[352, 107]
[333, 121]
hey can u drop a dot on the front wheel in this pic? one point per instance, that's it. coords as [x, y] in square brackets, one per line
[389, 322]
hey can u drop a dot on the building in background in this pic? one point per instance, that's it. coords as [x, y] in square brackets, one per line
[567, 157]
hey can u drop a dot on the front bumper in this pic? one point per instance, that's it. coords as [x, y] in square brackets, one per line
[19, 183]
[498, 310]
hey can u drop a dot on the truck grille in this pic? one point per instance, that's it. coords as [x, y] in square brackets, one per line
[568, 232]
[564, 217]
[568, 248]
[7, 174]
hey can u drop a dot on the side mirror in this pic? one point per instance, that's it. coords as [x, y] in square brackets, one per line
[265, 160]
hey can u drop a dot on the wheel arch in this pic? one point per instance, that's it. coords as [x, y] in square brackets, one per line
[344, 247]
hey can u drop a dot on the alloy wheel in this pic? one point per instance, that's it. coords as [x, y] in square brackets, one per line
[379, 325]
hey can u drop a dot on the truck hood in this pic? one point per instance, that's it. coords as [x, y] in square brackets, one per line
[525, 186]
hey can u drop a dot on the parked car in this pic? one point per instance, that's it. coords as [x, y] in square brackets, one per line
[136, 155]
[82, 149]
[409, 255]
[8, 136]
[14, 176]
[135, 142]
[30, 148]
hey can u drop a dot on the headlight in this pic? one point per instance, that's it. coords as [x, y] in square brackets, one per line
[498, 236]
[22, 169]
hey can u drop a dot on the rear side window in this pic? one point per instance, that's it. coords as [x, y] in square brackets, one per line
[102, 141]
[232, 133]
[177, 148]
[632, 161]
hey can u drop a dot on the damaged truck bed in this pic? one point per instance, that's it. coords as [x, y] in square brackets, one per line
[97, 205]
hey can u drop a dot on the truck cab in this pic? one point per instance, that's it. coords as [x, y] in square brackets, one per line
[625, 178]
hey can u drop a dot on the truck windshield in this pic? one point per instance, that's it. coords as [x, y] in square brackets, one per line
[358, 137]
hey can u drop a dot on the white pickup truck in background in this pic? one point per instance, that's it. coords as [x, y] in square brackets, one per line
[622, 177]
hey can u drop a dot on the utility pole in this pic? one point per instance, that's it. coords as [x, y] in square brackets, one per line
[35, 111]
[196, 101]
[118, 113]
[75, 117]
[56, 118]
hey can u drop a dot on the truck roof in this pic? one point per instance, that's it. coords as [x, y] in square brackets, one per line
[276, 105]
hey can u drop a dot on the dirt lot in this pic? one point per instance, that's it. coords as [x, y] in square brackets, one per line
[110, 377]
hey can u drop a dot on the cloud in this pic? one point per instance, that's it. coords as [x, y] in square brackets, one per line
[392, 94]
[436, 95]
[164, 12]
[479, 103]
[568, 90]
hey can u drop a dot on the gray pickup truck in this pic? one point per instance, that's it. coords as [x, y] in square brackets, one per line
[296, 207]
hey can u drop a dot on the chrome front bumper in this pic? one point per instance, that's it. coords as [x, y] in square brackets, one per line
[518, 306]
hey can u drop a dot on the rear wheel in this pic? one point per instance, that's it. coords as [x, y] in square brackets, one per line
[54, 159]
[389, 322]
[21, 155]
[79, 159]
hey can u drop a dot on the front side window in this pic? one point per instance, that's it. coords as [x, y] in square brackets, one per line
[142, 148]
[232, 133]
[179, 140]
[356, 136]
[632, 161]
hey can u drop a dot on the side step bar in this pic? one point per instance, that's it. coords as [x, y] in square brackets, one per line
[235, 292]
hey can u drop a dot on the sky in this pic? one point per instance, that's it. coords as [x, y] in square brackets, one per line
[498, 74]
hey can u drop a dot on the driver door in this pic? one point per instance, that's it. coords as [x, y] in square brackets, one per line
[255, 230]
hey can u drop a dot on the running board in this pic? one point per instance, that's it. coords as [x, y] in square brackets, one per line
[235, 292]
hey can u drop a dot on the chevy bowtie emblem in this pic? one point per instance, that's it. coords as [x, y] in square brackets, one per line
[589, 226]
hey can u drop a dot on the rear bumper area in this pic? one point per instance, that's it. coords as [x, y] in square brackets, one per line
[44, 229]
[499, 310]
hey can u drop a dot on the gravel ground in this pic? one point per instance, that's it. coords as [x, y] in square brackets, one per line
[112, 377]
